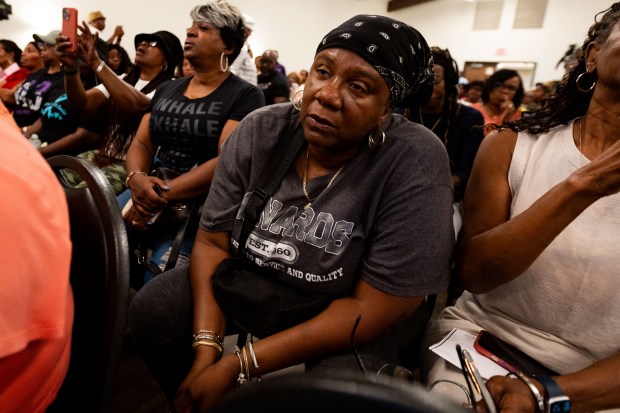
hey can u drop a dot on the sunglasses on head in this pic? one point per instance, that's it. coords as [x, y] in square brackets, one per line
[151, 43]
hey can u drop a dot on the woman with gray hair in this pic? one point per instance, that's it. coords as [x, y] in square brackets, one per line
[189, 120]
[363, 216]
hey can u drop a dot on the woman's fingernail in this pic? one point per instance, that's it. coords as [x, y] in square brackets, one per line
[166, 187]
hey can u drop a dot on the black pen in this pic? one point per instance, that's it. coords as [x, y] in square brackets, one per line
[479, 382]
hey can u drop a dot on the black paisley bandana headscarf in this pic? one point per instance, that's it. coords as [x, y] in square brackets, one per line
[398, 52]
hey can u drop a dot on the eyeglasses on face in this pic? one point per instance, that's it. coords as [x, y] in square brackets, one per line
[43, 45]
[507, 88]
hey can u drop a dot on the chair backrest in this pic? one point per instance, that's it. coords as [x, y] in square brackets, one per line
[335, 392]
[100, 282]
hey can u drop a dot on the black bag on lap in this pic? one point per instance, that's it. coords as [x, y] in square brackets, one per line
[252, 297]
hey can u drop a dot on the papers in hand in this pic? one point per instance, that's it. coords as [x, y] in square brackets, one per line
[446, 349]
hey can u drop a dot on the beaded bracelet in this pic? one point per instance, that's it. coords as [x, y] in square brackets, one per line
[241, 379]
[131, 174]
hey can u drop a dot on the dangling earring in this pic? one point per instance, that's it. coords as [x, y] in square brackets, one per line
[297, 103]
[372, 143]
[223, 59]
[579, 81]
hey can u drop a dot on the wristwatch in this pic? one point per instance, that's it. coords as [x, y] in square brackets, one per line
[555, 399]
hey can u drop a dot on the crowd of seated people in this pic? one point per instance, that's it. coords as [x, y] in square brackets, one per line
[409, 178]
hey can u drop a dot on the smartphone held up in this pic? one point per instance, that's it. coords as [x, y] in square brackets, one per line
[69, 26]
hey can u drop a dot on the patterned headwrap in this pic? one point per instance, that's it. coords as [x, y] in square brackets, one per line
[398, 52]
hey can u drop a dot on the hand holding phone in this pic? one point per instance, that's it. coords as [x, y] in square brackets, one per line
[69, 26]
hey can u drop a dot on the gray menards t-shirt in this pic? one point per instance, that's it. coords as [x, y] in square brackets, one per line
[387, 217]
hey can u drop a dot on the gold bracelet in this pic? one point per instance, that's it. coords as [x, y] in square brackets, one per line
[252, 353]
[202, 334]
[209, 343]
[131, 174]
[247, 365]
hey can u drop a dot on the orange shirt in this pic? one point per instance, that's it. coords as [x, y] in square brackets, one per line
[6, 116]
[36, 302]
[506, 116]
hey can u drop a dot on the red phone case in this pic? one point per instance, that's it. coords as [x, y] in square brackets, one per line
[69, 26]
[485, 352]
[508, 356]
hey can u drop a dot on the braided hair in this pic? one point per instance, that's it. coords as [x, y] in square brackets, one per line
[568, 102]
[122, 126]
[451, 105]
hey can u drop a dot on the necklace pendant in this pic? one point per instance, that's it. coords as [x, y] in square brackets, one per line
[307, 205]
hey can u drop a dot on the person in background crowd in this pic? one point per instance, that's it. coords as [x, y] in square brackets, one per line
[458, 126]
[188, 70]
[351, 136]
[294, 82]
[273, 84]
[244, 65]
[501, 98]
[532, 100]
[10, 55]
[88, 131]
[30, 62]
[96, 21]
[36, 301]
[473, 93]
[538, 251]
[39, 87]
[279, 67]
[118, 59]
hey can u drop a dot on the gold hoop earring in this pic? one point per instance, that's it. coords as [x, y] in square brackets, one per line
[579, 81]
[223, 62]
[372, 143]
[297, 102]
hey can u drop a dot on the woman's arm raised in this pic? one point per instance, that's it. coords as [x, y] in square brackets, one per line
[494, 249]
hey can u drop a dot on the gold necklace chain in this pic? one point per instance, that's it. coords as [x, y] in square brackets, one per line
[305, 181]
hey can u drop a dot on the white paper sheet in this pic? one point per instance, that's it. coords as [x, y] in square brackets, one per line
[446, 349]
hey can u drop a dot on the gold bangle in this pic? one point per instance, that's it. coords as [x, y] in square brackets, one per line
[252, 353]
[208, 343]
[131, 174]
[247, 365]
[209, 335]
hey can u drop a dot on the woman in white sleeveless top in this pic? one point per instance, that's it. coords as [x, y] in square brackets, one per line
[538, 252]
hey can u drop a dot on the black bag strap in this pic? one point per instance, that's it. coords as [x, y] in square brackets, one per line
[284, 159]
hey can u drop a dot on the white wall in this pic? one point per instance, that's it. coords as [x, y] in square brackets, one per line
[295, 27]
[448, 24]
